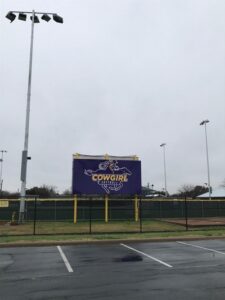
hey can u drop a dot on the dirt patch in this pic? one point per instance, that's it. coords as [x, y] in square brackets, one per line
[198, 222]
[4, 223]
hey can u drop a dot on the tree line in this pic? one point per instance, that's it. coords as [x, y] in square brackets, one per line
[49, 191]
[43, 191]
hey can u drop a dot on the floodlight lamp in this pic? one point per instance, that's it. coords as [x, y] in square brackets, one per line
[46, 18]
[22, 17]
[57, 18]
[11, 16]
[36, 20]
[163, 144]
[204, 122]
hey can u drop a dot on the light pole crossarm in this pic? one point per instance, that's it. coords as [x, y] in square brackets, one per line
[31, 12]
[22, 15]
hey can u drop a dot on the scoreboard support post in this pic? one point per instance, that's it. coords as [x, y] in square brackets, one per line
[106, 208]
[136, 214]
[75, 209]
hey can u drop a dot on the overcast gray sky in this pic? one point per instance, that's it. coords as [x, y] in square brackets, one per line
[118, 77]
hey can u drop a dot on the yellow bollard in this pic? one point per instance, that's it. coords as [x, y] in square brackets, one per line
[75, 209]
[136, 208]
[106, 208]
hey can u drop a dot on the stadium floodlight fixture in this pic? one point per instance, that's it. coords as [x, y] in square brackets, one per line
[22, 17]
[34, 19]
[11, 16]
[204, 122]
[46, 17]
[57, 18]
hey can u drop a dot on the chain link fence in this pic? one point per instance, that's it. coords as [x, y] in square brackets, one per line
[94, 215]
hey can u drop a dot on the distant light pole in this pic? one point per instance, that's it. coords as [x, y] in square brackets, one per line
[34, 19]
[1, 161]
[204, 122]
[163, 145]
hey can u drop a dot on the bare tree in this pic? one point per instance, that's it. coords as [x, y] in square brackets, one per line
[185, 189]
[190, 190]
[67, 192]
[43, 191]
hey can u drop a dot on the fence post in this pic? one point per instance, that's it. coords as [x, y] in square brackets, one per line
[35, 215]
[202, 208]
[90, 214]
[186, 213]
[140, 212]
[218, 208]
[160, 209]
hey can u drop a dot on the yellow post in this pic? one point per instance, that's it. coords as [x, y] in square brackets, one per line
[136, 213]
[76, 155]
[106, 209]
[136, 208]
[75, 209]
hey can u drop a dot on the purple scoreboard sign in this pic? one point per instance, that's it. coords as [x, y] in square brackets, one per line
[100, 177]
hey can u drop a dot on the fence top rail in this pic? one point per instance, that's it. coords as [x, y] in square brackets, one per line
[114, 199]
[183, 200]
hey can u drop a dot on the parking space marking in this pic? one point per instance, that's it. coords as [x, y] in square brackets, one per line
[149, 256]
[196, 246]
[68, 266]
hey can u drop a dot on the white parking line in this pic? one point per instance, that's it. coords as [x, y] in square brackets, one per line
[208, 249]
[69, 268]
[149, 256]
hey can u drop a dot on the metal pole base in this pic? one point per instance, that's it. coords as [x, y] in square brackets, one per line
[21, 218]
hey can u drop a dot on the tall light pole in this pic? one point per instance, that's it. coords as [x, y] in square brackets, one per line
[34, 19]
[204, 122]
[1, 161]
[163, 145]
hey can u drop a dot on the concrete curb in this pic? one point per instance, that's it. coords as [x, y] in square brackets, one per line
[102, 242]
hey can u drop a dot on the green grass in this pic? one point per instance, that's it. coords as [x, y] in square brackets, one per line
[101, 232]
[84, 227]
[38, 239]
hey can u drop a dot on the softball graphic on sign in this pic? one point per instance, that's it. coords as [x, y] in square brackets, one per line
[109, 175]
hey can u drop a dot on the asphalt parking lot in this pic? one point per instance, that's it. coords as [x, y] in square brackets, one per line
[165, 270]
